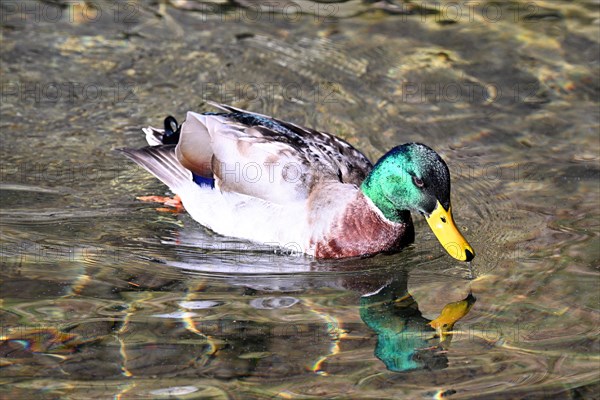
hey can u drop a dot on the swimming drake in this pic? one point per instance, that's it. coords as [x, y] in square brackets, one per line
[258, 178]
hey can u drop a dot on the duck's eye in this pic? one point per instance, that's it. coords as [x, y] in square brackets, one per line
[418, 182]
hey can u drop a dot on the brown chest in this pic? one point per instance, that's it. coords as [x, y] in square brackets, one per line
[360, 230]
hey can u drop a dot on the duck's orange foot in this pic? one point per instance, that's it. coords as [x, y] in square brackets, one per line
[174, 203]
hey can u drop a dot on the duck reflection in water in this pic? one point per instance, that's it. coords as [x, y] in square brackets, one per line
[405, 339]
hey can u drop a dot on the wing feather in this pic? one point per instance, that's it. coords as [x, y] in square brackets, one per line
[264, 157]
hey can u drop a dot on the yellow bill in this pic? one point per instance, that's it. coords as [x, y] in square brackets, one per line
[451, 313]
[442, 224]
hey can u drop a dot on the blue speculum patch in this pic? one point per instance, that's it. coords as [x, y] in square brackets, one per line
[202, 181]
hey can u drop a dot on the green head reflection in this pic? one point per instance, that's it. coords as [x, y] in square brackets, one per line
[405, 339]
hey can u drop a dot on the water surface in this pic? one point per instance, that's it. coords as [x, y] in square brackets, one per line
[103, 296]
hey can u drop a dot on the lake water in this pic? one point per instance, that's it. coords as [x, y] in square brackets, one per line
[103, 296]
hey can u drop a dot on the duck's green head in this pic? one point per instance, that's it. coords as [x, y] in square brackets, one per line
[413, 177]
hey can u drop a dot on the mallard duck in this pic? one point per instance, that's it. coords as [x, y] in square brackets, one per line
[255, 177]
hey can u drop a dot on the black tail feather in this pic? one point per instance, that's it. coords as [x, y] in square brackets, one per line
[172, 131]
